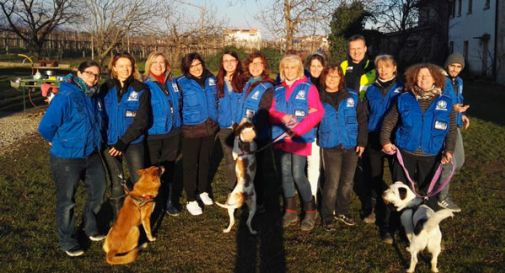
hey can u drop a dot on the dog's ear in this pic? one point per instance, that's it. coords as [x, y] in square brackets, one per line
[403, 193]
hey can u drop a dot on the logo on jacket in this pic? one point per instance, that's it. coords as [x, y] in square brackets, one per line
[212, 82]
[300, 95]
[350, 102]
[176, 88]
[299, 113]
[440, 125]
[441, 105]
[134, 96]
[256, 95]
[130, 114]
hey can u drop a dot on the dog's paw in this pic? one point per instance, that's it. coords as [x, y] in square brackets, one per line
[226, 230]
[253, 232]
[152, 239]
[143, 246]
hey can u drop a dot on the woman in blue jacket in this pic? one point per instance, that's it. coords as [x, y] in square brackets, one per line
[72, 126]
[258, 95]
[342, 136]
[199, 128]
[424, 123]
[127, 108]
[163, 137]
[230, 82]
[378, 98]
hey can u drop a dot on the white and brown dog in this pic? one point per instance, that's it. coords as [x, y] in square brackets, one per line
[244, 148]
[420, 222]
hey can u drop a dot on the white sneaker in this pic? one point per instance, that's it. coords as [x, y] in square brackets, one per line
[194, 208]
[206, 199]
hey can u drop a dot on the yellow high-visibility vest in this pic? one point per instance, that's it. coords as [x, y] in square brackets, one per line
[365, 80]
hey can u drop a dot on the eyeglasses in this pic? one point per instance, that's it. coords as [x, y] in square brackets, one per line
[91, 74]
[230, 61]
[195, 65]
[256, 64]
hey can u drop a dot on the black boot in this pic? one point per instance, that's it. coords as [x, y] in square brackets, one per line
[171, 209]
[309, 220]
[290, 212]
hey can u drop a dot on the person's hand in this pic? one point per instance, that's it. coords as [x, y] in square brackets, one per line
[460, 107]
[389, 148]
[360, 150]
[286, 119]
[446, 158]
[113, 152]
[466, 121]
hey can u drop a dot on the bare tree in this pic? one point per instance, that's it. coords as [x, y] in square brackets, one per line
[395, 15]
[34, 20]
[113, 21]
[287, 18]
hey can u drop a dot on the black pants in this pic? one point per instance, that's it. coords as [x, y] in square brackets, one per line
[339, 167]
[374, 174]
[420, 168]
[226, 138]
[196, 154]
[164, 152]
[135, 160]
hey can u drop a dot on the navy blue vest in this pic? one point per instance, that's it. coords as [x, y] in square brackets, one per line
[198, 104]
[425, 132]
[120, 115]
[378, 104]
[340, 127]
[297, 105]
[252, 104]
[166, 107]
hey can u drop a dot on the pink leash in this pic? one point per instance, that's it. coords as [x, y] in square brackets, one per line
[434, 180]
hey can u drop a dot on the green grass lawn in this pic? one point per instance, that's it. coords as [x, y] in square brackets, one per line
[474, 239]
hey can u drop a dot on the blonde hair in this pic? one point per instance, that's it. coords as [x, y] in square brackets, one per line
[291, 58]
[150, 59]
[386, 58]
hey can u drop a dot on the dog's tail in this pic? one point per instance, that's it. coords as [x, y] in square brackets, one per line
[228, 206]
[438, 217]
[113, 258]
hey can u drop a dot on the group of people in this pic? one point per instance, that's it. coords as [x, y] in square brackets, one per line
[327, 125]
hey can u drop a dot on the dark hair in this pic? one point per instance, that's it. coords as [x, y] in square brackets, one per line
[237, 80]
[87, 64]
[266, 71]
[188, 59]
[249, 60]
[126, 55]
[413, 71]
[315, 56]
[327, 70]
[356, 37]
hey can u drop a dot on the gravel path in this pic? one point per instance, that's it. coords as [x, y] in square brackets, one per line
[17, 126]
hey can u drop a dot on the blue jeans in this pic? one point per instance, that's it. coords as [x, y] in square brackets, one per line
[293, 172]
[67, 174]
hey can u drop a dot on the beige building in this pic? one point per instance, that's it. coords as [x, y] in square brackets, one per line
[249, 38]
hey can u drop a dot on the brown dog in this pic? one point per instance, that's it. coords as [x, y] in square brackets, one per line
[244, 148]
[121, 244]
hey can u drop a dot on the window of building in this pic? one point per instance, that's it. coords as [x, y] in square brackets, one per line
[487, 4]
[459, 8]
[452, 10]
[451, 47]
[470, 4]
[465, 49]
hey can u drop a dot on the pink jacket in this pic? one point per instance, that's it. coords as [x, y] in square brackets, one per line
[316, 112]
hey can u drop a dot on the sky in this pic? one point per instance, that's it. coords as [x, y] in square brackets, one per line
[238, 13]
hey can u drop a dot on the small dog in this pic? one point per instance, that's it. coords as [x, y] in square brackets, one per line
[420, 222]
[245, 169]
[121, 243]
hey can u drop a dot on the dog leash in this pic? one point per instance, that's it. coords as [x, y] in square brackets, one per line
[430, 193]
[289, 126]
